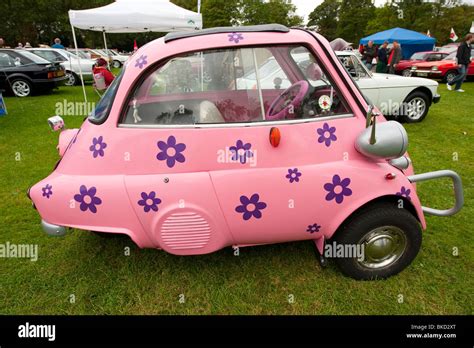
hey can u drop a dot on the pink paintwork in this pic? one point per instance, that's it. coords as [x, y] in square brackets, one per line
[200, 204]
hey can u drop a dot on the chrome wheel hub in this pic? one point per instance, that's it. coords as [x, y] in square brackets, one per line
[416, 108]
[383, 246]
[21, 88]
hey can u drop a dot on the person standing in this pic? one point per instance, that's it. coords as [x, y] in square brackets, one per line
[2, 42]
[369, 54]
[395, 57]
[57, 44]
[382, 59]
[463, 57]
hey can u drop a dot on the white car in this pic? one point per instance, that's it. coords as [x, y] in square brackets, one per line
[406, 97]
[116, 59]
[394, 95]
[69, 61]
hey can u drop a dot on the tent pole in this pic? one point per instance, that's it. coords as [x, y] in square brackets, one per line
[106, 49]
[199, 7]
[79, 61]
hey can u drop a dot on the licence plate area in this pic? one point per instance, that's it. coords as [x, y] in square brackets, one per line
[422, 74]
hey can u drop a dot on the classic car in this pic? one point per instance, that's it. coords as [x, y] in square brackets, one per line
[186, 160]
[445, 70]
[24, 73]
[404, 66]
[116, 59]
[71, 63]
[407, 98]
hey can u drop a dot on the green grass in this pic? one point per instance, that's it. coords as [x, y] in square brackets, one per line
[261, 279]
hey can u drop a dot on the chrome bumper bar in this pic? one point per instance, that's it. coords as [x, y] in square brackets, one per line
[53, 230]
[458, 194]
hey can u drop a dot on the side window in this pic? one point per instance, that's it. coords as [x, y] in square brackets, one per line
[238, 85]
[6, 61]
[354, 66]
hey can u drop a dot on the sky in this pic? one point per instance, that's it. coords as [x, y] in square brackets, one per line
[305, 7]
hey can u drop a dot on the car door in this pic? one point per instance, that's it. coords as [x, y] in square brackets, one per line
[208, 156]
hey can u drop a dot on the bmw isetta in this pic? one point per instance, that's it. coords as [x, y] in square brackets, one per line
[238, 137]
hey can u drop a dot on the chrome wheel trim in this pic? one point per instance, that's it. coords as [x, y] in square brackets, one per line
[21, 88]
[71, 79]
[450, 77]
[383, 246]
[416, 108]
[116, 64]
[406, 73]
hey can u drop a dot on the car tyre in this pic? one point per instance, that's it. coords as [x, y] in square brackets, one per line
[72, 78]
[116, 64]
[450, 75]
[21, 88]
[391, 237]
[406, 73]
[415, 107]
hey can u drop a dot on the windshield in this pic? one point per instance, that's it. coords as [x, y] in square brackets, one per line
[102, 109]
[33, 57]
[418, 56]
[452, 56]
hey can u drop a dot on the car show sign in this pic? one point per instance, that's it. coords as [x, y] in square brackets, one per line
[3, 107]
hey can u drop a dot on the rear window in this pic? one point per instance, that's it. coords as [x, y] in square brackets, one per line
[33, 57]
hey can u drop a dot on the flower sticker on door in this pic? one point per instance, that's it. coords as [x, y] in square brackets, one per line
[98, 146]
[149, 201]
[313, 228]
[251, 207]
[241, 152]
[338, 189]
[171, 152]
[293, 175]
[327, 134]
[404, 192]
[88, 199]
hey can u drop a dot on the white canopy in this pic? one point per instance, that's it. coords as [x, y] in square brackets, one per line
[136, 16]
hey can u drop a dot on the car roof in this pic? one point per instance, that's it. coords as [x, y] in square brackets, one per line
[221, 30]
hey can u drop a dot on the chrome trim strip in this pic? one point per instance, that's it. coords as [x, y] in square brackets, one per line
[458, 193]
[236, 124]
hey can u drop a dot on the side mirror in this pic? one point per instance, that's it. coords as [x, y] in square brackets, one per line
[56, 123]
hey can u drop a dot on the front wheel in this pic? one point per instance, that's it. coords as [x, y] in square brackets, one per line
[415, 108]
[406, 73]
[389, 237]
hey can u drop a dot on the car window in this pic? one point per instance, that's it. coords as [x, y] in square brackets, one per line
[51, 56]
[238, 85]
[418, 56]
[102, 109]
[6, 61]
[33, 57]
[353, 66]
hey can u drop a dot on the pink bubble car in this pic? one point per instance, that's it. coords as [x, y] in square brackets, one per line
[241, 137]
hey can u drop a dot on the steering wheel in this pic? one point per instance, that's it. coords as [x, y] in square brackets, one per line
[284, 105]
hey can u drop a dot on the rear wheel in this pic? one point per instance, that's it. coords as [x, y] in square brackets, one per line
[116, 64]
[72, 78]
[450, 75]
[415, 108]
[390, 238]
[21, 88]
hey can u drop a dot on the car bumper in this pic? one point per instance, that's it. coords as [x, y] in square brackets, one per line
[50, 83]
[434, 74]
[436, 98]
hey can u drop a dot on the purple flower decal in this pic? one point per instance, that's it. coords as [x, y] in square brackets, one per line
[88, 199]
[149, 201]
[171, 152]
[251, 207]
[235, 37]
[141, 62]
[327, 134]
[338, 189]
[404, 192]
[97, 147]
[241, 151]
[47, 191]
[313, 228]
[293, 175]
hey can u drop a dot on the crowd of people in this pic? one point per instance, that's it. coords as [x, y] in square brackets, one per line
[384, 59]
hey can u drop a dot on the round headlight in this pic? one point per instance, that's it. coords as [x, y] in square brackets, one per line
[434, 68]
[414, 68]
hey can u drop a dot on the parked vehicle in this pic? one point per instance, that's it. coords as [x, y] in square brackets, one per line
[186, 160]
[117, 60]
[24, 73]
[445, 70]
[71, 63]
[406, 97]
[404, 66]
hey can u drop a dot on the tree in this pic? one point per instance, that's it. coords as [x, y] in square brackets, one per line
[353, 18]
[325, 18]
[219, 13]
[254, 12]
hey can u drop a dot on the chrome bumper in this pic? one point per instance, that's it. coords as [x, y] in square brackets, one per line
[53, 230]
[458, 194]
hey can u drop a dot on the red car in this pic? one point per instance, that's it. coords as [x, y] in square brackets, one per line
[404, 66]
[445, 70]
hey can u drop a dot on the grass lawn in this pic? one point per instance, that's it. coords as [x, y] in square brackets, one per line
[95, 273]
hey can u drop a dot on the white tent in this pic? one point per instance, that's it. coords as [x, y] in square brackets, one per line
[135, 16]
